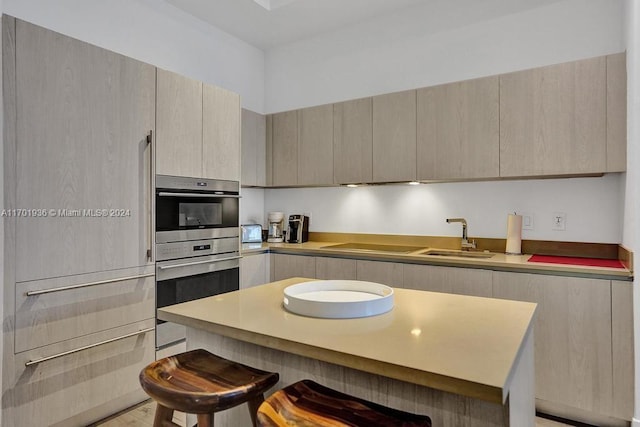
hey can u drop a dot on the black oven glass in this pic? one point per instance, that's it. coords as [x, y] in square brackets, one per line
[186, 213]
[183, 289]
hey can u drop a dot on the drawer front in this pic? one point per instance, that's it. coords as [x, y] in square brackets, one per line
[60, 313]
[60, 390]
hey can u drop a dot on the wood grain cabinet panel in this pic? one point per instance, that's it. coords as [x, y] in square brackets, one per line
[254, 270]
[220, 133]
[617, 112]
[463, 281]
[394, 137]
[458, 130]
[353, 141]
[335, 268]
[622, 330]
[284, 148]
[553, 120]
[83, 387]
[286, 266]
[179, 121]
[572, 337]
[65, 314]
[387, 273]
[254, 129]
[83, 115]
[315, 145]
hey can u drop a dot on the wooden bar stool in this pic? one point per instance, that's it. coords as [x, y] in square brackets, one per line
[201, 383]
[310, 404]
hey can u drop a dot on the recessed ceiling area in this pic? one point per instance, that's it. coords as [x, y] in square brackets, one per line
[268, 24]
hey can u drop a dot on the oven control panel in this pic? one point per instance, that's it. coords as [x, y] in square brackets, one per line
[191, 248]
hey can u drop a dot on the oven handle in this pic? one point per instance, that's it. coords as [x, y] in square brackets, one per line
[209, 195]
[86, 347]
[187, 264]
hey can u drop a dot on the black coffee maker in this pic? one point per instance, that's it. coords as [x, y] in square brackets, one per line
[298, 229]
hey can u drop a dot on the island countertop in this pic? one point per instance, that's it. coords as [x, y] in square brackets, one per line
[460, 344]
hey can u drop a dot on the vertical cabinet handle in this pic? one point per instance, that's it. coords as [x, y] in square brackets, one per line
[149, 227]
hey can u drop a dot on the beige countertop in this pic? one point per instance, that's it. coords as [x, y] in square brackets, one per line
[499, 261]
[460, 344]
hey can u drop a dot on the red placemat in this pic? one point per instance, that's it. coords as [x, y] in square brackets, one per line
[594, 262]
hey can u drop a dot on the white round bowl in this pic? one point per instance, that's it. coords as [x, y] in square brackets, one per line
[338, 299]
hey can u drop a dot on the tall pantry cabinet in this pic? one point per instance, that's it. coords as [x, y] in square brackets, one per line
[78, 283]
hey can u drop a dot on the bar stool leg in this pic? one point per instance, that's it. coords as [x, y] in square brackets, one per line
[205, 420]
[253, 408]
[164, 417]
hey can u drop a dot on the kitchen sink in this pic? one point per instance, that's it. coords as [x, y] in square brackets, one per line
[457, 254]
[371, 247]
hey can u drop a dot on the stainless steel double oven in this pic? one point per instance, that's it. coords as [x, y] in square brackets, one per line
[197, 244]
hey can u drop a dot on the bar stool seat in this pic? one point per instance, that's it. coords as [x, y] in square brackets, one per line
[199, 382]
[307, 403]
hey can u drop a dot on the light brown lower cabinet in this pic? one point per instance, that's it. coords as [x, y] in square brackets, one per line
[335, 268]
[284, 266]
[82, 387]
[573, 352]
[622, 339]
[463, 281]
[254, 270]
[387, 273]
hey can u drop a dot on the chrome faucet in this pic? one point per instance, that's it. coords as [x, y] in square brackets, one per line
[466, 245]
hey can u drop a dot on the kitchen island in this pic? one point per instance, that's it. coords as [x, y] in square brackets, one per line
[464, 361]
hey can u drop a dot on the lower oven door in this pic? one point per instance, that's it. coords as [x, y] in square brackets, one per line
[187, 279]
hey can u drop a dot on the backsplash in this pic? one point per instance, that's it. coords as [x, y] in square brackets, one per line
[593, 208]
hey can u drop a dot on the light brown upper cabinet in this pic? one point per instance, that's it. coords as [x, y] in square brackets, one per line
[458, 130]
[394, 137]
[353, 141]
[80, 118]
[284, 148]
[220, 133]
[198, 129]
[179, 125]
[315, 145]
[254, 127]
[553, 120]
[617, 112]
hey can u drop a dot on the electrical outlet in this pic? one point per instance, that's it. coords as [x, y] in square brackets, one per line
[559, 221]
[527, 221]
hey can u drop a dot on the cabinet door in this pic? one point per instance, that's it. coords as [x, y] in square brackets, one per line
[83, 115]
[458, 131]
[353, 141]
[394, 137]
[220, 133]
[463, 281]
[284, 146]
[335, 268]
[553, 120]
[179, 122]
[572, 336]
[287, 266]
[617, 112]
[254, 270]
[622, 340]
[82, 387]
[60, 314]
[253, 149]
[315, 145]
[387, 273]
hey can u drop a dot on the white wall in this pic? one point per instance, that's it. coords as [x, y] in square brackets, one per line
[157, 33]
[422, 210]
[632, 206]
[252, 206]
[417, 48]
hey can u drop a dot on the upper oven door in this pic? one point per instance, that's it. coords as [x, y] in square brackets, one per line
[195, 204]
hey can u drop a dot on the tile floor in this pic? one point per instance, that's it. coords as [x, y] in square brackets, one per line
[142, 416]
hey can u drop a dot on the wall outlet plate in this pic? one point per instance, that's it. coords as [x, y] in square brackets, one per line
[559, 221]
[527, 221]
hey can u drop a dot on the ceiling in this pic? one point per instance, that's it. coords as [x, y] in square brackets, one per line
[270, 23]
